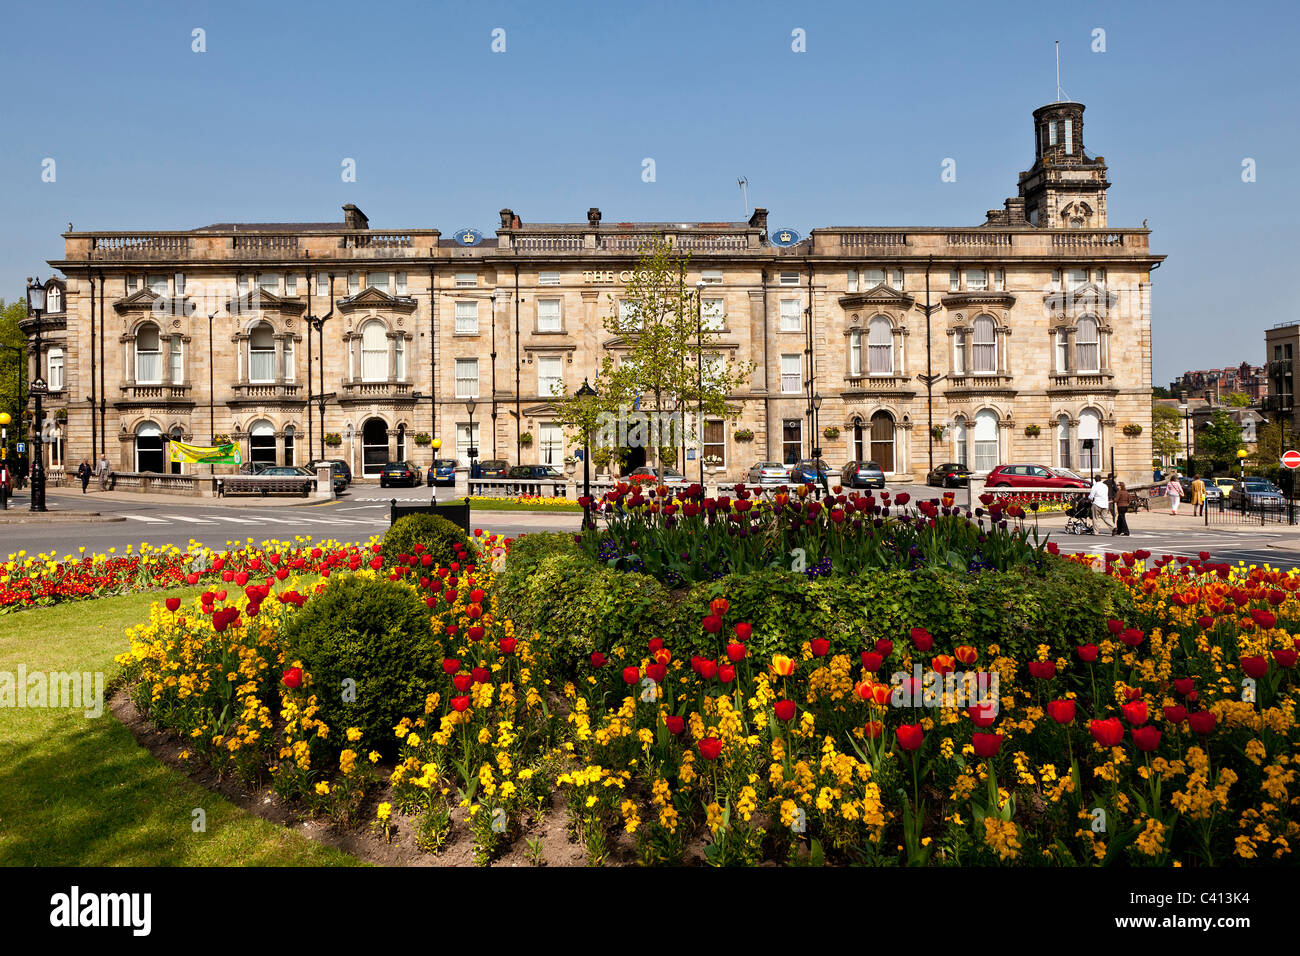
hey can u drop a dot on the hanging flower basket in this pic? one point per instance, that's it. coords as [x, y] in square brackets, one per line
[1132, 431]
[333, 439]
[526, 438]
[423, 438]
[743, 434]
[831, 432]
[1032, 431]
[936, 432]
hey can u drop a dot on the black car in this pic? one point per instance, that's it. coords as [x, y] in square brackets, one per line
[535, 473]
[494, 468]
[399, 473]
[949, 475]
[862, 474]
[253, 467]
[338, 466]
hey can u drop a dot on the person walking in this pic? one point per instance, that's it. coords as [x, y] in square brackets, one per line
[1198, 496]
[1112, 488]
[1175, 492]
[84, 472]
[1099, 495]
[102, 471]
[1122, 500]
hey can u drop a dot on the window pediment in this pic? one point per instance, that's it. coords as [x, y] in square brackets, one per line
[1089, 297]
[966, 300]
[372, 298]
[879, 296]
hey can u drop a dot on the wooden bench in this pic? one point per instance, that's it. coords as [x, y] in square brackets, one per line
[229, 485]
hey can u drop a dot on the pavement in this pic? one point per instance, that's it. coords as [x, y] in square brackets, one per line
[100, 520]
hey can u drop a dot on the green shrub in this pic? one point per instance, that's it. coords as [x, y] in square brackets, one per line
[438, 535]
[377, 633]
[577, 606]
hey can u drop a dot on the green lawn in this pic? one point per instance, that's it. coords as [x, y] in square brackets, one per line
[80, 791]
[506, 504]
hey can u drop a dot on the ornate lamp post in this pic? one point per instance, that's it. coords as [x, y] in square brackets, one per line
[585, 391]
[36, 307]
[699, 370]
[317, 322]
[473, 449]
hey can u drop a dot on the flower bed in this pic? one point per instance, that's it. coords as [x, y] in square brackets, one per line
[1164, 734]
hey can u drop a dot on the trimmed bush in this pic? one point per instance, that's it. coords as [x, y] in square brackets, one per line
[373, 631]
[578, 606]
[438, 535]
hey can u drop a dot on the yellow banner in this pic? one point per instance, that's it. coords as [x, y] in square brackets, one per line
[205, 454]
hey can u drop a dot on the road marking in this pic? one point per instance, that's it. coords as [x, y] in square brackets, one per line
[189, 520]
[233, 519]
[147, 518]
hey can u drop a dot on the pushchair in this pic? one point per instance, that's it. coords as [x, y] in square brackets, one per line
[1078, 516]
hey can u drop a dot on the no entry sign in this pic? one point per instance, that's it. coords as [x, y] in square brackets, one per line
[1291, 458]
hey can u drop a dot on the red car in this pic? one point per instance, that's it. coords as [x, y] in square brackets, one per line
[1031, 476]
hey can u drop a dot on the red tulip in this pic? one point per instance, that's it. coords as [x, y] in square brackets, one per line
[1061, 711]
[1255, 666]
[1114, 626]
[986, 745]
[474, 633]
[884, 647]
[710, 748]
[983, 715]
[719, 606]
[820, 646]
[921, 639]
[450, 665]
[726, 673]
[1087, 653]
[656, 643]
[462, 682]
[675, 725]
[1108, 732]
[1043, 670]
[713, 624]
[173, 604]
[507, 645]
[708, 669]
[631, 675]
[1263, 618]
[1135, 712]
[1175, 713]
[292, 678]
[1202, 721]
[736, 652]
[966, 654]
[871, 661]
[1205, 622]
[1146, 738]
[656, 672]
[597, 659]
[873, 730]
[1184, 685]
[910, 736]
[943, 664]
[743, 632]
[460, 704]
[785, 709]
[1286, 657]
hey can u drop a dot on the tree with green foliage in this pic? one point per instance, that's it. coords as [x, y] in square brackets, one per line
[1237, 400]
[1221, 437]
[1166, 436]
[1268, 445]
[1159, 391]
[13, 345]
[669, 364]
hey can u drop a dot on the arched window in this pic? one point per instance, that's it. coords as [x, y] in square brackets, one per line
[261, 353]
[1089, 441]
[290, 435]
[985, 346]
[176, 434]
[1087, 346]
[959, 441]
[882, 441]
[986, 440]
[374, 352]
[53, 300]
[54, 359]
[148, 355]
[880, 346]
[374, 446]
[1063, 441]
[261, 442]
[149, 448]
[855, 353]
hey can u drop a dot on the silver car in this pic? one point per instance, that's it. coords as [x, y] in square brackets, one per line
[769, 473]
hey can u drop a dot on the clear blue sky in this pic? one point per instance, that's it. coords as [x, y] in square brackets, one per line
[148, 134]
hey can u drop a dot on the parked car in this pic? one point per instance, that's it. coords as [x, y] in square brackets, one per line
[670, 475]
[442, 472]
[769, 473]
[535, 473]
[1033, 476]
[494, 468]
[400, 473]
[338, 466]
[253, 467]
[811, 471]
[1255, 493]
[1225, 485]
[285, 471]
[948, 475]
[862, 474]
[1212, 491]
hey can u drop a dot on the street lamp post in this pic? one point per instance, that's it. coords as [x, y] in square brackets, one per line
[816, 404]
[36, 306]
[585, 391]
[317, 322]
[473, 448]
[1186, 409]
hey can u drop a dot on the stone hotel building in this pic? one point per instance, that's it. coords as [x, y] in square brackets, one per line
[1026, 338]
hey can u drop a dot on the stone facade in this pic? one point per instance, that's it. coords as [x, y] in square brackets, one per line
[1034, 336]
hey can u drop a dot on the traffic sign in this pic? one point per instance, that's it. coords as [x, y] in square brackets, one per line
[1291, 458]
[20, 447]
